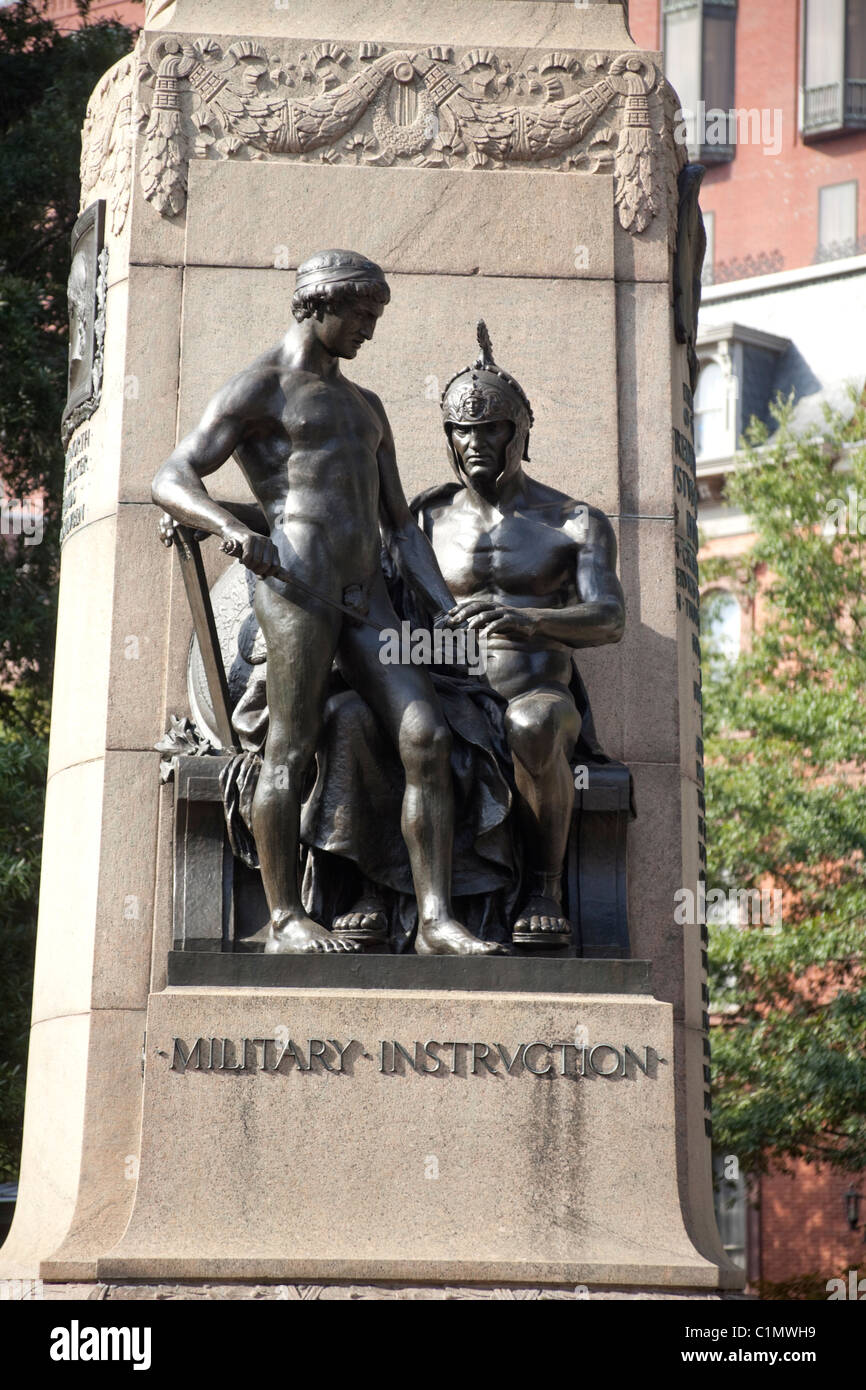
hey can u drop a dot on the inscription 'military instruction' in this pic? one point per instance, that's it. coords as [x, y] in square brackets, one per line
[431, 1058]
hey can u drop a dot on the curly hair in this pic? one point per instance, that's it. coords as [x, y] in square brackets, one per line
[316, 300]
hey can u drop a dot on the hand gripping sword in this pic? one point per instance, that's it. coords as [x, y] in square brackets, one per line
[198, 597]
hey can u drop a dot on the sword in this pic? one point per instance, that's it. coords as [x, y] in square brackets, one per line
[278, 572]
[198, 597]
[192, 570]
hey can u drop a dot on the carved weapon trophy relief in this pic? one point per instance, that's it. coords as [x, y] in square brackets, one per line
[107, 142]
[367, 105]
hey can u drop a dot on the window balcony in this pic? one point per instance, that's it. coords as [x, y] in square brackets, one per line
[738, 368]
[855, 100]
[834, 68]
[835, 108]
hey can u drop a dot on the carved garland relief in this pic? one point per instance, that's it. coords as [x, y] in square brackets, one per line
[431, 109]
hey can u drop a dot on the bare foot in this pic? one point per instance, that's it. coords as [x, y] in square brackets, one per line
[448, 938]
[299, 935]
[543, 922]
[366, 920]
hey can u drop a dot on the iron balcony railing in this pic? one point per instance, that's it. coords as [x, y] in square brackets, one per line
[835, 106]
[855, 99]
[839, 250]
[822, 106]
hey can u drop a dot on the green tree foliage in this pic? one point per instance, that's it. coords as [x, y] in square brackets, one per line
[46, 78]
[785, 736]
[22, 794]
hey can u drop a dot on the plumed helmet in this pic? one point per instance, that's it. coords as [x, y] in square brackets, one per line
[483, 393]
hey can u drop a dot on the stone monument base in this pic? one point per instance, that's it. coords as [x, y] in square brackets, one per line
[369, 1293]
[407, 1137]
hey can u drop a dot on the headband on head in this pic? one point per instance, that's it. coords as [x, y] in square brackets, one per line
[336, 268]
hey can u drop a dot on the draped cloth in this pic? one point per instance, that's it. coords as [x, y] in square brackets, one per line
[350, 820]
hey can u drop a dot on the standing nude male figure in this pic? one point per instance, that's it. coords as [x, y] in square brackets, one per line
[318, 454]
[535, 571]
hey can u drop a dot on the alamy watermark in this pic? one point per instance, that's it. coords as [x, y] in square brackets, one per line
[77, 1343]
[22, 518]
[846, 516]
[854, 1291]
[714, 127]
[734, 907]
[464, 647]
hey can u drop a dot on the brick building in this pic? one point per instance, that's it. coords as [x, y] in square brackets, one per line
[65, 14]
[774, 96]
[792, 192]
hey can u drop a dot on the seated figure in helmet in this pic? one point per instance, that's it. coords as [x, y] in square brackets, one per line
[535, 572]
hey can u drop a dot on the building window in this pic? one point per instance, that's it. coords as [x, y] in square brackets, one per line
[834, 67]
[837, 221]
[682, 46]
[730, 1202]
[738, 379]
[721, 620]
[708, 272]
[698, 38]
[718, 58]
[712, 436]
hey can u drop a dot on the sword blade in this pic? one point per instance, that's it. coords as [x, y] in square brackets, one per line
[192, 570]
[294, 583]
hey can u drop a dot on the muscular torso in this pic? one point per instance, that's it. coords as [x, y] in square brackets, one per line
[311, 462]
[526, 559]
